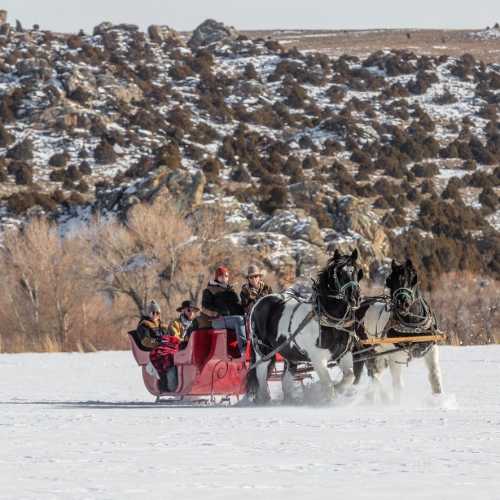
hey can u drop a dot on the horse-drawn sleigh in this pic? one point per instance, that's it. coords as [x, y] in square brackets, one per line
[334, 327]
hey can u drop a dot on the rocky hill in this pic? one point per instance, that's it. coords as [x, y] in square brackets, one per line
[396, 153]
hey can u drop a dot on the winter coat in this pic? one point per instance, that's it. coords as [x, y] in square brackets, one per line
[249, 295]
[220, 300]
[150, 332]
[178, 327]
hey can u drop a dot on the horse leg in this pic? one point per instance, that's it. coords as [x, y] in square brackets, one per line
[291, 391]
[263, 395]
[358, 371]
[346, 365]
[397, 379]
[319, 361]
[432, 361]
[376, 369]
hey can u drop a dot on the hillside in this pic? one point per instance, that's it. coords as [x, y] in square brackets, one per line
[395, 152]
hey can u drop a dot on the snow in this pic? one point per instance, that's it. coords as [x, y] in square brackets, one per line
[81, 426]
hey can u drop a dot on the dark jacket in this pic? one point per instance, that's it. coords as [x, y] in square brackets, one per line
[150, 332]
[220, 300]
[249, 295]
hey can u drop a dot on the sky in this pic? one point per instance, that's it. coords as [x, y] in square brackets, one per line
[73, 15]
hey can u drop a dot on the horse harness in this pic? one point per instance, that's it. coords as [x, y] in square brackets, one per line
[398, 326]
[325, 320]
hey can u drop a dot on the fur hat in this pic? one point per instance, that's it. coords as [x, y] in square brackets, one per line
[253, 270]
[153, 307]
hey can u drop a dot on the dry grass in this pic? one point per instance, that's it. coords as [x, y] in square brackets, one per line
[364, 42]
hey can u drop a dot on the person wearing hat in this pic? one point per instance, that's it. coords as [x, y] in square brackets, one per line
[155, 337]
[254, 288]
[178, 327]
[221, 308]
[150, 328]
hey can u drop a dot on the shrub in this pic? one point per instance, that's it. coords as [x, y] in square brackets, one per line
[212, 167]
[181, 118]
[24, 174]
[6, 138]
[22, 151]
[488, 198]
[20, 202]
[180, 71]
[85, 168]
[82, 187]
[445, 98]
[57, 175]
[59, 159]
[309, 161]
[385, 188]
[275, 196]
[73, 173]
[104, 154]
[425, 170]
[169, 155]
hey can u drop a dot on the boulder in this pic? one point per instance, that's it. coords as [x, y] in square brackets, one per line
[5, 29]
[209, 32]
[3, 16]
[79, 79]
[353, 214]
[126, 93]
[102, 28]
[296, 224]
[186, 188]
[160, 34]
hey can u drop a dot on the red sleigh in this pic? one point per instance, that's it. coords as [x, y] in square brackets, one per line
[210, 365]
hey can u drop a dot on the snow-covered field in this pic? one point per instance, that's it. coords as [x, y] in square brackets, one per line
[81, 426]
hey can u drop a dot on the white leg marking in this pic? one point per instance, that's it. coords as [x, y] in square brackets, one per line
[397, 379]
[263, 395]
[432, 362]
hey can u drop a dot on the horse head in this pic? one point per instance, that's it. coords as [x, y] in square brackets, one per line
[340, 279]
[402, 283]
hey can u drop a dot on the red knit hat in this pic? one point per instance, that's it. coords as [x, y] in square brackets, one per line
[221, 270]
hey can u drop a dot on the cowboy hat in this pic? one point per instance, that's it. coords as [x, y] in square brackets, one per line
[253, 270]
[187, 304]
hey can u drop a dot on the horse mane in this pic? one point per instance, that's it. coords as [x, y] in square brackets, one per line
[322, 285]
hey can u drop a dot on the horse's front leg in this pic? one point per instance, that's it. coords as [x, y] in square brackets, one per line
[346, 365]
[397, 378]
[432, 361]
[376, 369]
[319, 360]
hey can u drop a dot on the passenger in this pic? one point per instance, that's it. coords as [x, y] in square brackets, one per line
[154, 335]
[188, 312]
[253, 289]
[150, 328]
[221, 306]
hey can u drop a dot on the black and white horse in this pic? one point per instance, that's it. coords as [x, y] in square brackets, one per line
[407, 314]
[316, 331]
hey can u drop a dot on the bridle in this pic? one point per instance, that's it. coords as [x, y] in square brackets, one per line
[347, 321]
[403, 292]
[342, 289]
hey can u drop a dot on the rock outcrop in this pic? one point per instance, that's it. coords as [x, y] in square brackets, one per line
[210, 32]
[165, 34]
